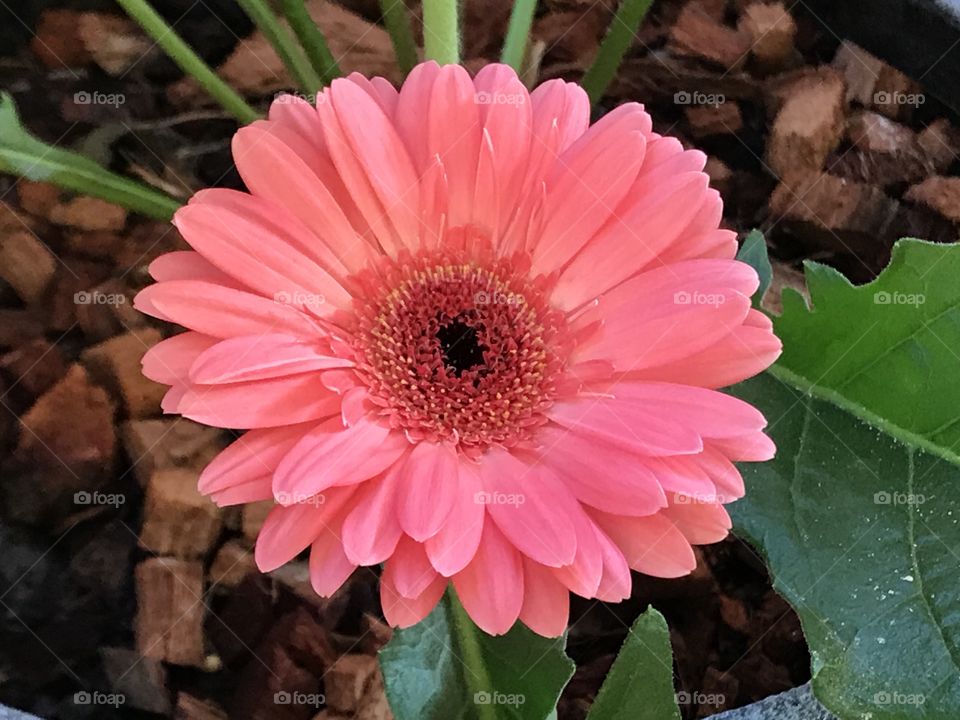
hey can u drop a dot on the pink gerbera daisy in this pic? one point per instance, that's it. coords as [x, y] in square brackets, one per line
[472, 337]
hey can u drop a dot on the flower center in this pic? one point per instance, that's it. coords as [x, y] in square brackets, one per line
[459, 348]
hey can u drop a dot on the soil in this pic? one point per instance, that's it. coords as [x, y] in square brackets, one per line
[830, 151]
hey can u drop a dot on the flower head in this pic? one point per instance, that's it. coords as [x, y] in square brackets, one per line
[472, 337]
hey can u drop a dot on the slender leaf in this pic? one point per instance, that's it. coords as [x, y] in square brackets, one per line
[397, 19]
[24, 155]
[518, 33]
[620, 35]
[640, 683]
[312, 40]
[284, 44]
[188, 61]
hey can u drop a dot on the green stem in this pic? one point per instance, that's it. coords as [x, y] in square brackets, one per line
[312, 40]
[157, 28]
[397, 20]
[441, 31]
[472, 654]
[622, 31]
[518, 33]
[284, 44]
[26, 156]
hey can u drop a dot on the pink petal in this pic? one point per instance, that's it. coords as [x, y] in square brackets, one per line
[670, 312]
[189, 265]
[254, 455]
[622, 484]
[652, 545]
[220, 311]
[701, 523]
[255, 490]
[588, 182]
[261, 246]
[615, 583]
[274, 171]
[288, 531]
[427, 489]
[332, 455]
[755, 447]
[380, 174]
[631, 239]
[329, 566]
[583, 575]
[453, 133]
[371, 530]
[627, 425]
[260, 403]
[491, 586]
[530, 508]
[546, 601]
[259, 357]
[169, 361]
[411, 109]
[409, 570]
[403, 612]
[456, 542]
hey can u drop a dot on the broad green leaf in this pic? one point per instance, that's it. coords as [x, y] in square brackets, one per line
[859, 514]
[754, 253]
[862, 534]
[23, 155]
[888, 351]
[445, 667]
[640, 683]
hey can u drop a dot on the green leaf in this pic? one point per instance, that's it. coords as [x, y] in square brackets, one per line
[862, 534]
[640, 683]
[23, 155]
[445, 667]
[620, 36]
[886, 351]
[754, 253]
[859, 514]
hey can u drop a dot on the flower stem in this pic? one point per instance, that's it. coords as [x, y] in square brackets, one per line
[397, 19]
[284, 44]
[26, 156]
[313, 42]
[622, 31]
[472, 653]
[518, 33]
[441, 31]
[157, 28]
